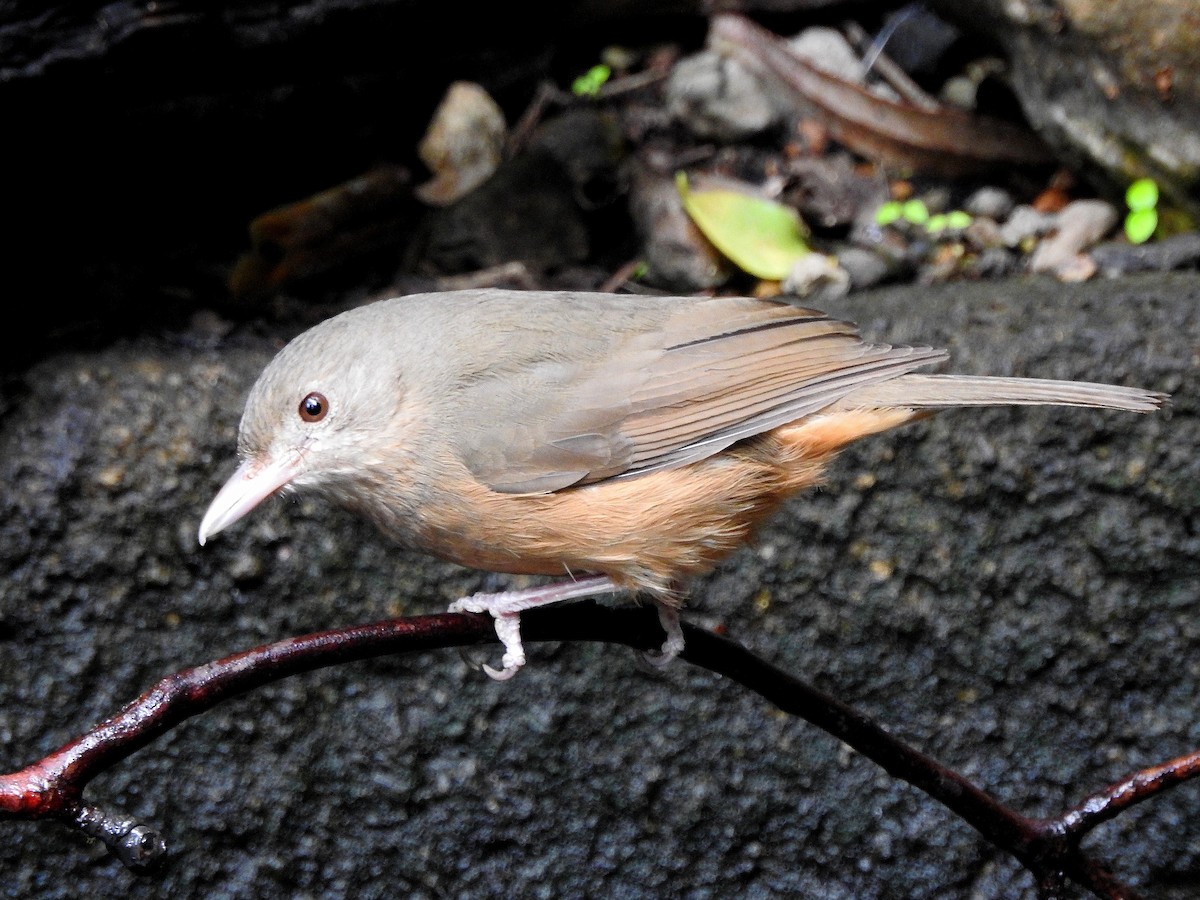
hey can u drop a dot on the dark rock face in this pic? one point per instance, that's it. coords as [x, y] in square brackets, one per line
[1114, 87]
[1015, 591]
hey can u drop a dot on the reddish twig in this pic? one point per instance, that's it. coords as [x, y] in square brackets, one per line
[1114, 799]
[53, 787]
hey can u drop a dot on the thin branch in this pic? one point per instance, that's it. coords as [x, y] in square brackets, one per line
[53, 787]
[57, 781]
[1114, 799]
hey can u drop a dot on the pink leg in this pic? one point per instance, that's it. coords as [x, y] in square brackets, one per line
[668, 617]
[506, 608]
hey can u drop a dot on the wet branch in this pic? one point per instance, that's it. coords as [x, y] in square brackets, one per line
[53, 787]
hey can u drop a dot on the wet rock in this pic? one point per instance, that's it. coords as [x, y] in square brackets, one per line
[1121, 258]
[1114, 86]
[1013, 589]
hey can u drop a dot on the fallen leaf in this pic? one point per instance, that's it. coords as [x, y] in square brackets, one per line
[759, 236]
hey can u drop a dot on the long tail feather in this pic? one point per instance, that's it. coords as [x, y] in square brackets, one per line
[932, 391]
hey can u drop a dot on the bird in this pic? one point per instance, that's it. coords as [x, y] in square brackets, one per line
[625, 443]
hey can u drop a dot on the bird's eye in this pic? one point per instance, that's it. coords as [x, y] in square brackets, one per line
[314, 407]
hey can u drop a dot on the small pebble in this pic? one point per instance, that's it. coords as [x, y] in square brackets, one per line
[111, 477]
[677, 256]
[817, 277]
[990, 202]
[864, 267]
[829, 51]
[1024, 223]
[1080, 225]
[984, 233]
[718, 99]
[246, 567]
[994, 262]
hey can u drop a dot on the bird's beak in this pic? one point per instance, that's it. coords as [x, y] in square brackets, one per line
[253, 482]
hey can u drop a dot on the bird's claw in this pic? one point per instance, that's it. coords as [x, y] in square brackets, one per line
[506, 607]
[467, 605]
[508, 630]
[672, 646]
[499, 674]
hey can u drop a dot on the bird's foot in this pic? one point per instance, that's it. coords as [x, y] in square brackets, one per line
[668, 617]
[506, 608]
[508, 629]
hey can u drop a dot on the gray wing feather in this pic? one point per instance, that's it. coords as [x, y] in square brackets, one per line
[681, 383]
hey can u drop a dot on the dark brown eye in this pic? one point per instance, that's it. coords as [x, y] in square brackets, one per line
[314, 407]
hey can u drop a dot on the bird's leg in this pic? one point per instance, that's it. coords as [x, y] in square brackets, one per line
[506, 608]
[668, 617]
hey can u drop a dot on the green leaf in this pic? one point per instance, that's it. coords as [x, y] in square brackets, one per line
[889, 212]
[1140, 225]
[937, 224]
[760, 236]
[958, 219]
[916, 211]
[589, 83]
[1142, 194]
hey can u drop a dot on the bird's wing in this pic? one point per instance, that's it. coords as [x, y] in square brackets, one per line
[675, 390]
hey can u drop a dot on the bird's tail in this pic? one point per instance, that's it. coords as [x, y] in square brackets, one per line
[915, 391]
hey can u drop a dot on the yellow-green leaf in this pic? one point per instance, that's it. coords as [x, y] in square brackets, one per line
[1140, 225]
[1142, 194]
[589, 83]
[760, 236]
[889, 212]
[915, 211]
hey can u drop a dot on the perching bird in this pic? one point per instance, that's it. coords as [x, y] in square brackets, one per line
[622, 442]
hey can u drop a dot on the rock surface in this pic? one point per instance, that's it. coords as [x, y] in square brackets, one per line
[1015, 591]
[1114, 86]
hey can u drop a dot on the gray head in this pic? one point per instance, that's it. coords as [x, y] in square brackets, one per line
[321, 413]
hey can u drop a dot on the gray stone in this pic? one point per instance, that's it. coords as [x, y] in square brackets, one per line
[1014, 591]
[1113, 86]
[715, 97]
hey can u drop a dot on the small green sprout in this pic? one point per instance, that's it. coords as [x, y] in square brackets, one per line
[915, 211]
[888, 213]
[958, 219]
[589, 83]
[955, 220]
[1142, 219]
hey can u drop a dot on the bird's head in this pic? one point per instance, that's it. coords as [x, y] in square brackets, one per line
[320, 414]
